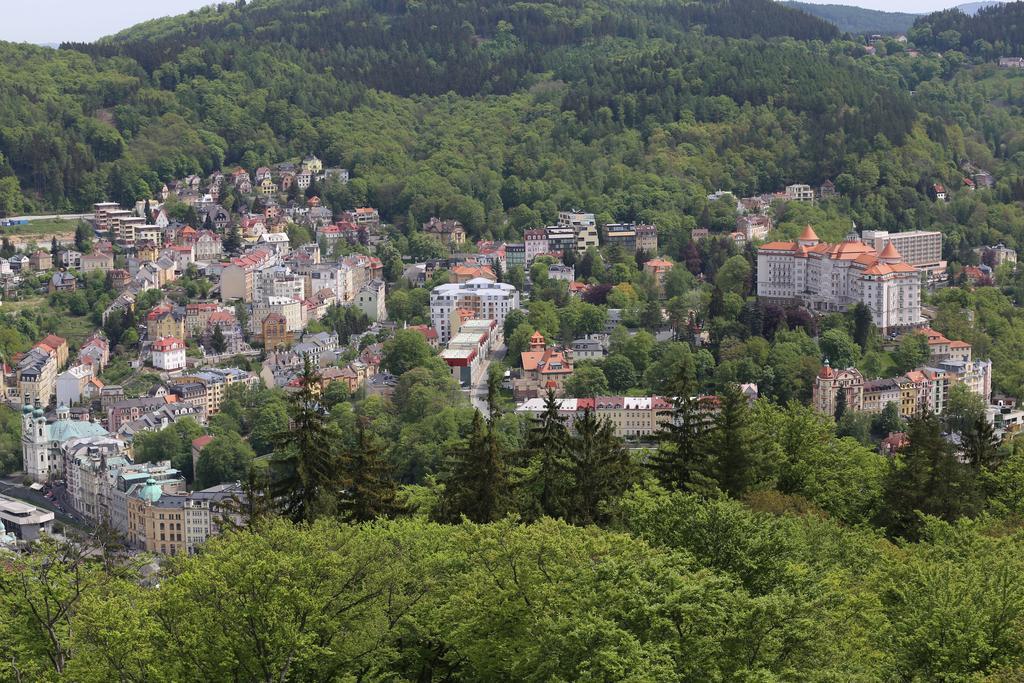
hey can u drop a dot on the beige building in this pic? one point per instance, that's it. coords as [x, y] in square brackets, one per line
[176, 523]
[920, 248]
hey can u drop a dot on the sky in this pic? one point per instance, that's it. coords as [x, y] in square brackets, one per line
[54, 21]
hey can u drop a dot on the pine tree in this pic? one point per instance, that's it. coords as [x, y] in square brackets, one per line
[683, 459]
[544, 479]
[54, 248]
[926, 478]
[233, 240]
[314, 188]
[840, 404]
[307, 467]
[371, 492]
[148, 213]
[717, 306]
[217, 340]
[735, 443]
[208, 222]
[499, 272]
[250, 506]
[981, 446]
[602, 468]
[862, 322]
[476, 485]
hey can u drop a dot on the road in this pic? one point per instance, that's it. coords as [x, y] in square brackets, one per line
[12, 486]
[478, 392]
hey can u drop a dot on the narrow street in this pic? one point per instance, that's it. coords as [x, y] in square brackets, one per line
[478, 392]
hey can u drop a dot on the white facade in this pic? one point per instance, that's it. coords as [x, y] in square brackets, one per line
[168, 354]
[486, 299]
[71, 384]
[370, 300]
[920, 248]
[826, 278]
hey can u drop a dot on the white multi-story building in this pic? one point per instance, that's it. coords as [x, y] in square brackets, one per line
[536, 243]
[833, 277]
[371, 298]
[168, 354]
[486, 299]
[920, 248]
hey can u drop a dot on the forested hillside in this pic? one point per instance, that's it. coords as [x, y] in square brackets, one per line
[994, 30]
[857, 20]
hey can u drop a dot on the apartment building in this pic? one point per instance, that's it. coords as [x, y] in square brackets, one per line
[920, 248]
[481, 297]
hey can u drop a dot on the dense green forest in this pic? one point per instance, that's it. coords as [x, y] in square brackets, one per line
[857, 20]
[994, 30]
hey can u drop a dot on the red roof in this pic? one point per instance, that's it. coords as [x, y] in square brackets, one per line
[168, 344]
[808, 234]
[201, 442]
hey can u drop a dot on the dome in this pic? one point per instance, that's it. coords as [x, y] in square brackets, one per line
[151, 492]
[38, 412]
[26, 409]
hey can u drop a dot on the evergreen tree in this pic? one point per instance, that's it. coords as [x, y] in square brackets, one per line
[148, 213]
[499, 272]
[544, 480]
[249, 507]
[601, 466]
[926, 478]
[862, 323]
[840, 404]
[83, 237]
[717, 306]
[735, 442]
[208, 222]
[476, 485]
[217, 340]
[683, 459]
[981, 446]
[54, 249]
[307, 468]
[233, 240]
[371, 492]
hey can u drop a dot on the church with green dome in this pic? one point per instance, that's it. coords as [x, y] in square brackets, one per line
[42, 438]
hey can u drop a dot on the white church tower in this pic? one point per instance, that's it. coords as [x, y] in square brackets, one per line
[35, 450]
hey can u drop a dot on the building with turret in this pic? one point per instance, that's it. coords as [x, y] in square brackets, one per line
[42, 440]
[834, 277]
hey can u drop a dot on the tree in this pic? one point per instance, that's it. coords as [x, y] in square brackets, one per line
[586, 381]
[736, 443]
[619, 371]
[926, 478]
[683, 460]
[83, 237]
[862, 324]
[406, 350]
[217, 341]
[734, 275]
[371, 492]
[233, 240]
[838, 348]
[602, 469]
[225, 459]
[307, 467]
[544, 482]
[981, 446]
[911, 352]
[840, 405]
[476, 485]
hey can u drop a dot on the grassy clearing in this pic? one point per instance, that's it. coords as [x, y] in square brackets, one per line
[40, 228]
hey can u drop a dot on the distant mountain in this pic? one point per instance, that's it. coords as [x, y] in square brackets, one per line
[971, 8]
[858, 20]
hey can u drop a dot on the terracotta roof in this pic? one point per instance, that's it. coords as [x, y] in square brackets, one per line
[808, 233]
[890, 252]
[201, 442]
[778, 246]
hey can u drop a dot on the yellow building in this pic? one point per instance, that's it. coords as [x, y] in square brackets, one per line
[163, 322]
